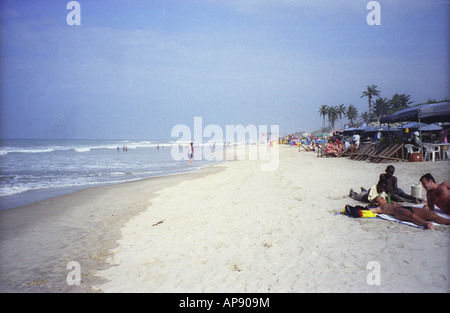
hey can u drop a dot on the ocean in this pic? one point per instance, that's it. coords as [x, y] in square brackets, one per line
[32, 170]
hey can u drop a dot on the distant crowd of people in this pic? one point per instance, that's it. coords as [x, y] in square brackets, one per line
[333, 146]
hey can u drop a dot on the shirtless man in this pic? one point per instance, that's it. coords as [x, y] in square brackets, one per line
[437, 195]
[417, 216]
[392, 189]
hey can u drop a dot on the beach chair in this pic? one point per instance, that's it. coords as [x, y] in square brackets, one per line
[346, 152]
[321, 151]
[304, 147]
[392, 152]
[362, 152]
[373, 150]
[431, 151]
[381, 149]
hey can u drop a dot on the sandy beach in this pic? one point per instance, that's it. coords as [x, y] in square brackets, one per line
[231, 227]
[37, 241]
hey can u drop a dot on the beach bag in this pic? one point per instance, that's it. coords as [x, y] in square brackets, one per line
[357, 211]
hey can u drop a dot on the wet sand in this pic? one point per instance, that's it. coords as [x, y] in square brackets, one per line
[37, 241]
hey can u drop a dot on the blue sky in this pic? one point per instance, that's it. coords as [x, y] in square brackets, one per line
[135, 69]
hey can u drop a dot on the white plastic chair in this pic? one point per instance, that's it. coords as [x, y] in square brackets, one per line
[431, 151]
[446, 152]
[410, 149]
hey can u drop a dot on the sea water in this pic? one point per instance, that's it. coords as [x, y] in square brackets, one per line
[32, 170]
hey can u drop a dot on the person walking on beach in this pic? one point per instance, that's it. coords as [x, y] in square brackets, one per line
[191, 153]
[417, 216]
[392, 189]
[437, 194]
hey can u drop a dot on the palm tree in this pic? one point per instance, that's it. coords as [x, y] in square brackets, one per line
[341, 112]
[371, 91]
[399, 102]
[381, 107]
[364, 117]
[332, 116]
[323, 111]
[352, 113]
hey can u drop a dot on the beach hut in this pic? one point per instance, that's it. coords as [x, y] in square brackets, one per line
[425, 113]
[423, 127]
[371, 131]
[413, 125]
[351, 130]
[431, 128]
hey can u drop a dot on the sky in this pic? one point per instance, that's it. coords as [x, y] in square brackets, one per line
[135, 69]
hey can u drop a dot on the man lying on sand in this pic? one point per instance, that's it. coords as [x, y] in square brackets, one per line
[417, 216]
[438, 195]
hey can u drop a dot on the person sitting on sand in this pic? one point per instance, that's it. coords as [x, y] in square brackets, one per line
[417, 216]
[396, 193]
[437, 194]
[369, 195]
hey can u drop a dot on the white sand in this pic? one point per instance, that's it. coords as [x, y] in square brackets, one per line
[248, 230]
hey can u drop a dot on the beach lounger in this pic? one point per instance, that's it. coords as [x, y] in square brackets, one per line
[346, 152]
[393, 152]
[378, 149]
[371, 151]
[360, 152]
[304, 147]
[321, 151]
[379, 153]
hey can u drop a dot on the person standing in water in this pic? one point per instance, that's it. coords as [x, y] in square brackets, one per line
[191, 153]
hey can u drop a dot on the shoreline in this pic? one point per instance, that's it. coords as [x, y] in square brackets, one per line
[32, 196]
[39, 239]
[228, 227]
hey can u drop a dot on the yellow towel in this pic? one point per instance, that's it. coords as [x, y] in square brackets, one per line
[367, 213]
